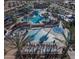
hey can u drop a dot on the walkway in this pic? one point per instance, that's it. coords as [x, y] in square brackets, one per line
[10, 54]
[71, 54]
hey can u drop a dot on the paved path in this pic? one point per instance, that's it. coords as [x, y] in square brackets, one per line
[71, 54]
[10, 55]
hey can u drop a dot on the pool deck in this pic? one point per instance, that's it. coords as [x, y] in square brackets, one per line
[51, 37]
[71, 54]
[56, 35]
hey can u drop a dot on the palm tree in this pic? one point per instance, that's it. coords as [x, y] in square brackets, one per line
[16, 42]
[67, 43]
[71, 27]
[14, 18]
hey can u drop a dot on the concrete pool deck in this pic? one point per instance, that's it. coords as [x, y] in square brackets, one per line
[54, 35]
[51, 37]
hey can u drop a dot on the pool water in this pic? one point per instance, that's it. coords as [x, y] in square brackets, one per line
[58, 30]
[41, 36]
[36, 34]
[35, 18]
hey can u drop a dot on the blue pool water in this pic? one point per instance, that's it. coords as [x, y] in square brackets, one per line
[41, 36]
[36, 35]
[37, 19]
[58, 30]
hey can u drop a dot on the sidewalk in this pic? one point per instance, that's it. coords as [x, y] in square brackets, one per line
[71, 54]
[10, 55]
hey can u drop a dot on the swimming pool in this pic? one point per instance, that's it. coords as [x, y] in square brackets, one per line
[36, 35]
[40, 36]
[58, 30]
[35, 18]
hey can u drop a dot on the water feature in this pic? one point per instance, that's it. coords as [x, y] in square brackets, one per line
[36, 34]
[58, 29]
[34, 18]
[40, 36]
[44, 38]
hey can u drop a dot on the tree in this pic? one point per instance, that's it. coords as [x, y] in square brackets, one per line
[68, 42]
[17, 42]
[71, 27]
[14, 18]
